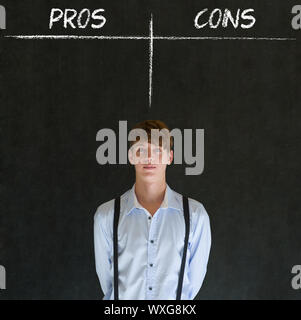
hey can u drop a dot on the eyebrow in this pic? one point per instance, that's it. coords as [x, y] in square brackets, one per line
[142, 145]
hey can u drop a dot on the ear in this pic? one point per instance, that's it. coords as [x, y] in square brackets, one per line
[170, 157]
[130, 155]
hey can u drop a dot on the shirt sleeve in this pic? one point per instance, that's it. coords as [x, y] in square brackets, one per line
[199, 250]
[102, 250]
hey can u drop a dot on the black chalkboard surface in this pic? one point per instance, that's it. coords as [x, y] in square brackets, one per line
[241, 85]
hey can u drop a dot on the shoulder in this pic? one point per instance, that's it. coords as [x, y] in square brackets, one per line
[199, 217]
[197, 207]
[197, 211]
[105, 212]
[194, 205]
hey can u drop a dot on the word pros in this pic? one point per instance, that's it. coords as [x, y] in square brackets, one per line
[72, 18]
[218, 17]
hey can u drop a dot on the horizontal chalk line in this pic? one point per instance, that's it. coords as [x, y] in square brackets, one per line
[220, 38]
[41, 37]
[70, 37]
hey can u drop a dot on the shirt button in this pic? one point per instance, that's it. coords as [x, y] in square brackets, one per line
[152, 241]
[151, 264]
[150, 288]
[149, 218]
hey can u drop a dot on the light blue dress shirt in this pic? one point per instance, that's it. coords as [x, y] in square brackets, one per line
[149, 270]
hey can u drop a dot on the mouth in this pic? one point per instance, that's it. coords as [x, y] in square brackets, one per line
[149, 167]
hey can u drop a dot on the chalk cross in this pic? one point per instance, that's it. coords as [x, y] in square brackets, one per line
[151, 37]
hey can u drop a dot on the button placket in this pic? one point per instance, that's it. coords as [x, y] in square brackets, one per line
[151, 256]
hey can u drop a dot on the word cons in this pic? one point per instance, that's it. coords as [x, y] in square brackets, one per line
[224, 18]
[72, 18]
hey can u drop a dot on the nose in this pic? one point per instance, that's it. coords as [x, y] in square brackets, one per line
[149, 155]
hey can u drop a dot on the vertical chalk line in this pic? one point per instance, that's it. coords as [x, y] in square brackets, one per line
[151, 48]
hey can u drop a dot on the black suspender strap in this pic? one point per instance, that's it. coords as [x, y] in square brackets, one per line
[115, 243]
[186, 217]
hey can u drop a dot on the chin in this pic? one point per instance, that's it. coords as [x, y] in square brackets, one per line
[149, 176]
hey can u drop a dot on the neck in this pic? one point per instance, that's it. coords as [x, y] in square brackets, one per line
[150, 192]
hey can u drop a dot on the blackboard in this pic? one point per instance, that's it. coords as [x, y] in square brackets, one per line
[243, 89]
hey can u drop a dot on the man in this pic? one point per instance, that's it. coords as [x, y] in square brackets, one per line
[151, 231]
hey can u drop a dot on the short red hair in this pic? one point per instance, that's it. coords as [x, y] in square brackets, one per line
[148, 125]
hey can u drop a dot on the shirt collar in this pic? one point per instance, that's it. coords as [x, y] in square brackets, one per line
[169, 200]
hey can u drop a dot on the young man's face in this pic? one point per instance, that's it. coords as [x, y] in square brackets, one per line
[150, 160]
